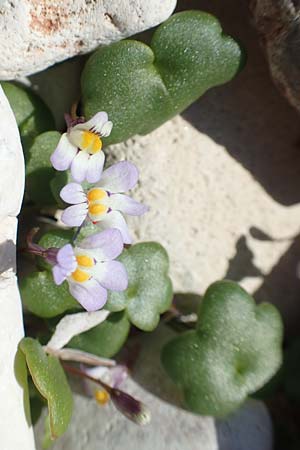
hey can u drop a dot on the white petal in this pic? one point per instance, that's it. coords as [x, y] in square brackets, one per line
[66, 258]
[74, 215]
[120, 177]
[95, 167]
[126, 205]
[59, 275]
[111, 275]
[94, 124]
[64, 154]
[90, 294]
[79, 166]
[73, 324]
[106, 129]
[104, 246]
[114, 219]
[73, 193]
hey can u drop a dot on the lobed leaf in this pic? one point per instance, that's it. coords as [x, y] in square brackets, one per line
[105, 339]
[49, 378]
[32, 115]
[234, 351]
[140, 87]
[149, 292]
[39, 171]
[44, 298]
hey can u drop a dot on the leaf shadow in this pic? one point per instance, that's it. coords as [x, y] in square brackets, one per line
[248, 116]
[7, 256]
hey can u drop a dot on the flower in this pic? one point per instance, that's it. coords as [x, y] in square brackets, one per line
[80, 149]
[105, 202]
[90, 270]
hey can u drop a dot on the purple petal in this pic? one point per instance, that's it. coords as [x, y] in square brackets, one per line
[64, 154]
[120, 177]
[127, 205]
[94, 124]
[79, 166]
[89, 294]
[111, 275]
[73, 193]
[74, 215]
[108, 243]
[114, 219]
[59, 275]
[95, 167]
[66, 258]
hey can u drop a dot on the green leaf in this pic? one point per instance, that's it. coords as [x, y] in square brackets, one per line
[32, 115]
[141, 87]
[105, 339]
[39, 171]
[43, 298]
[234, 351]
[60, 180]
[51, 382]
[149, 292]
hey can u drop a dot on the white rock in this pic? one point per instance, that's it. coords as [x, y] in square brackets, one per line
[250, 428]
[171, 428]
[100, 428]
[202, 203]
[13, 401]
[36, 34]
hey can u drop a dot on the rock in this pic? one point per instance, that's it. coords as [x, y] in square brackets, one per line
[203, 208]
[278, 25]
[37, 34]
[14, 410]
[171, 427]
[250, 428]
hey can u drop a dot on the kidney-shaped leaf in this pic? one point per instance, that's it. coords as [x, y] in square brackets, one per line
[43, 298]
[32, 115]
[51, 382]
[234, 351]
[149, 292]
[141, 87]
[105, 339]
[39, 171]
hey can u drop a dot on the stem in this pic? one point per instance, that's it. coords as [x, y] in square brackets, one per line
[79, 373]
[76, 234]
[74, 110]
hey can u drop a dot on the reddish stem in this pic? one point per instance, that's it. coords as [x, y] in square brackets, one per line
[79, 373]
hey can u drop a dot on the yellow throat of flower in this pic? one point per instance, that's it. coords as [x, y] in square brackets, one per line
[96, 207]
[85, 262]
[86, 140]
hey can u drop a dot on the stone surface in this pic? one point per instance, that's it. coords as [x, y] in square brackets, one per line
[278, 26]
[203, 206]
[171, 427]
[12, 409]
[37, 34]
[250, 428]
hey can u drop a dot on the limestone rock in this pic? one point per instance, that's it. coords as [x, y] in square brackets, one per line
[171, 427]
[13, 414]
[278, 25]
[36, 34]
[203, 208]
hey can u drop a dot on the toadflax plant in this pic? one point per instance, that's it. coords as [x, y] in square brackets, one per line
[90, 285]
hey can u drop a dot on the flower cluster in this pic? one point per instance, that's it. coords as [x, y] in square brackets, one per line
[90, 267]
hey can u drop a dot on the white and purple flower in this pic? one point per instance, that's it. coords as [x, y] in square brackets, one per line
[90, 269]
[80, 149]
[104, 203]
